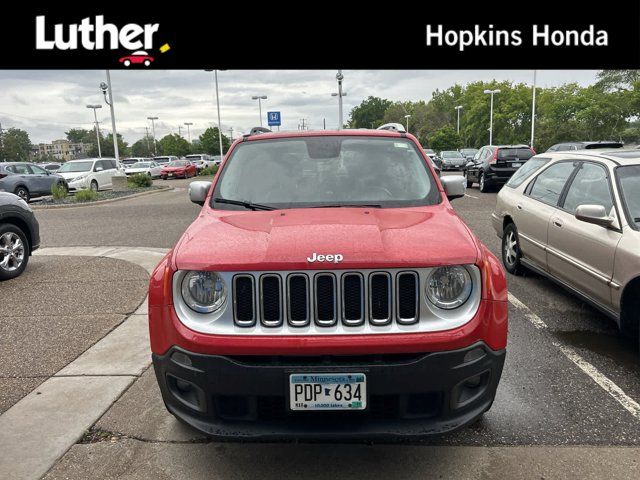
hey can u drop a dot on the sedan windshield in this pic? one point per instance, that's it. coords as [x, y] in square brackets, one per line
[451, 155]
[326, 171]
[140, 165]
[629, 181]
[76, 167]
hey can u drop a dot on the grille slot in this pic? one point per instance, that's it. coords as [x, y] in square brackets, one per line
[325, 299]
[244, 312]
[352, 299]
[380, 298]
[407, 297]
[298, 300]
[271, 300]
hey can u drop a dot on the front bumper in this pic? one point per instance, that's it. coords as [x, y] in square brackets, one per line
[409, 395]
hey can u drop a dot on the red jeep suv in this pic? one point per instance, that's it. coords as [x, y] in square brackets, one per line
[327, 289]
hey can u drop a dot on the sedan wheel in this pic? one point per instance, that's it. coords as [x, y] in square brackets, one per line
[511, 253]
[23, 193]
[14, 252]
[484, 188]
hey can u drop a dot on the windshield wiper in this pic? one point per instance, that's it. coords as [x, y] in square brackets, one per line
[241, 203]
[372, 205]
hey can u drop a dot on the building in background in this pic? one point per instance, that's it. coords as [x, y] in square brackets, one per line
[61, 150]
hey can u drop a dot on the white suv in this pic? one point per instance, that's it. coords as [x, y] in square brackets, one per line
[93, 173]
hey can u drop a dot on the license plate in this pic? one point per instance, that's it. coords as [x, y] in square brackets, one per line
[170, 175]
[516, 165]
[328, 391]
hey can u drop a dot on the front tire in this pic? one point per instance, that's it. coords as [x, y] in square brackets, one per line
[14, 252]
[94, 186]
[23, 193]
[511, 253]
[482, 182]
[469, 182]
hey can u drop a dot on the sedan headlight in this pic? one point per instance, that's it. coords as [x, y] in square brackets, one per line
[449, 287]
[204, 292]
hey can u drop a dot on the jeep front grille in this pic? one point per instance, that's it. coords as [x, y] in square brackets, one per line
[325, 298]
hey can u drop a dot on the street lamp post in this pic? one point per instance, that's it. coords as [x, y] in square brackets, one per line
[153, 131]
[106, 89]
[188, 124]
[259, 98]
[407, 116]
[458, 108]
[491, 92]
[215, 77]
[95, 116]
[533, 108]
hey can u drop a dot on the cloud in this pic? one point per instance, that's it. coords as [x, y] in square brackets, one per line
[46, 103]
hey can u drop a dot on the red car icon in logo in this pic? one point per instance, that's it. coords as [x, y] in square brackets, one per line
[136, 58]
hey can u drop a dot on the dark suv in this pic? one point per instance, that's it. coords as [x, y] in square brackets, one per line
[566, 146]
[494, 164]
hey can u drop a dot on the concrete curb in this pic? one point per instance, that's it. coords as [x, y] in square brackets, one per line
[100, 202]
[40, 428]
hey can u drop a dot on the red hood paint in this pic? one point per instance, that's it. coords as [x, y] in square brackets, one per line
[366, 238]
[173, 169]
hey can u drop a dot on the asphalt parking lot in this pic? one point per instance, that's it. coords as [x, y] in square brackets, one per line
[566, 366]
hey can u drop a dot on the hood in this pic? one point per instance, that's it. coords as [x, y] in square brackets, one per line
[135, 170]
[366, 238]
[70, 175]
[173, 169]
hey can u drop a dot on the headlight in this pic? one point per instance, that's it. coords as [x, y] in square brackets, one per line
[449, 287]
[78, 179]
[204, 292]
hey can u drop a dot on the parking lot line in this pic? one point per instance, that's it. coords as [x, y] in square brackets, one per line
[598, 377]
[470, 196]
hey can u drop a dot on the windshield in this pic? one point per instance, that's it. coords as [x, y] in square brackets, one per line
[451, 155]
[179, 163]
[140, 165]
[327, 171]
[469, 151]
[629, 181]
[76, 167]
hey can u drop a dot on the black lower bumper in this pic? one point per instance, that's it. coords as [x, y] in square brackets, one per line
[409, 395]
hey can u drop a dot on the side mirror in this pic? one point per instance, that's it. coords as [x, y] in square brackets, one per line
[98, 169]
[455, 186]
[595, 214]
[198, 192]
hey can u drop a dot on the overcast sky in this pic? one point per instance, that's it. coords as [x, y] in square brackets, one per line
[46, 103]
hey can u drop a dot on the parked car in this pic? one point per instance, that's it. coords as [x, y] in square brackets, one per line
[177, 169]
[437, 161]
[137, 58]
[589, 145]
[452, 160]
[51, 167]
[468, 153]
[19, 235]
[163, 160]
[351, 301]
[128, 162]
[574, 217]
[494, 165]
[149, 168]
[216, 159]
[93, 173]
[28, 180]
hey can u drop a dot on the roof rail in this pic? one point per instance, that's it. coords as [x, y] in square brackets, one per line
[257, 131]
[394, 127]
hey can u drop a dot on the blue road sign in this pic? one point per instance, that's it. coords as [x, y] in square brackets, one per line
[273, 119]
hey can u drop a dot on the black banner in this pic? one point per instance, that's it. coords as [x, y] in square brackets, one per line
[268, 35]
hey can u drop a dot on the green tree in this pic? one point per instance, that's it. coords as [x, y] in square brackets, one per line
[15, 145]
[445, 139]
[106, 147]
[143, 147]
[370, 113]
[174, 144]
[81, 135]
[210, 144]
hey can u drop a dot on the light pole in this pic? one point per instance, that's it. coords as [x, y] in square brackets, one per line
[188, 124]
[106, 88]
[458, 108]
[215, 77]
[491, 92]
[153, 131]
[95, 116]
[340, 94]
[259, 98]
[533, 108]
[407, 116]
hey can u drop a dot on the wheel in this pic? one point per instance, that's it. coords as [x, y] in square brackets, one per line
[511, 252]
[127, 63]
[14, 251]
[149, 173]
[23, 193]
[94, 186]
[484, 186]
[147, 63]
[469, 182]
[64, 186]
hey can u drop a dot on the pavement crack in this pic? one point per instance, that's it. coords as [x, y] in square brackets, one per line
[100, 435]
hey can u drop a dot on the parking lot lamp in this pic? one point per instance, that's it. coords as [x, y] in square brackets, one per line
[215, 77]
[407, 117]
[259, 98]
[458, 108]
[107, 91]
[95, 116]
[533, 108]
[153, 132]
[188, 124]
[340, 94]
[491, 92]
